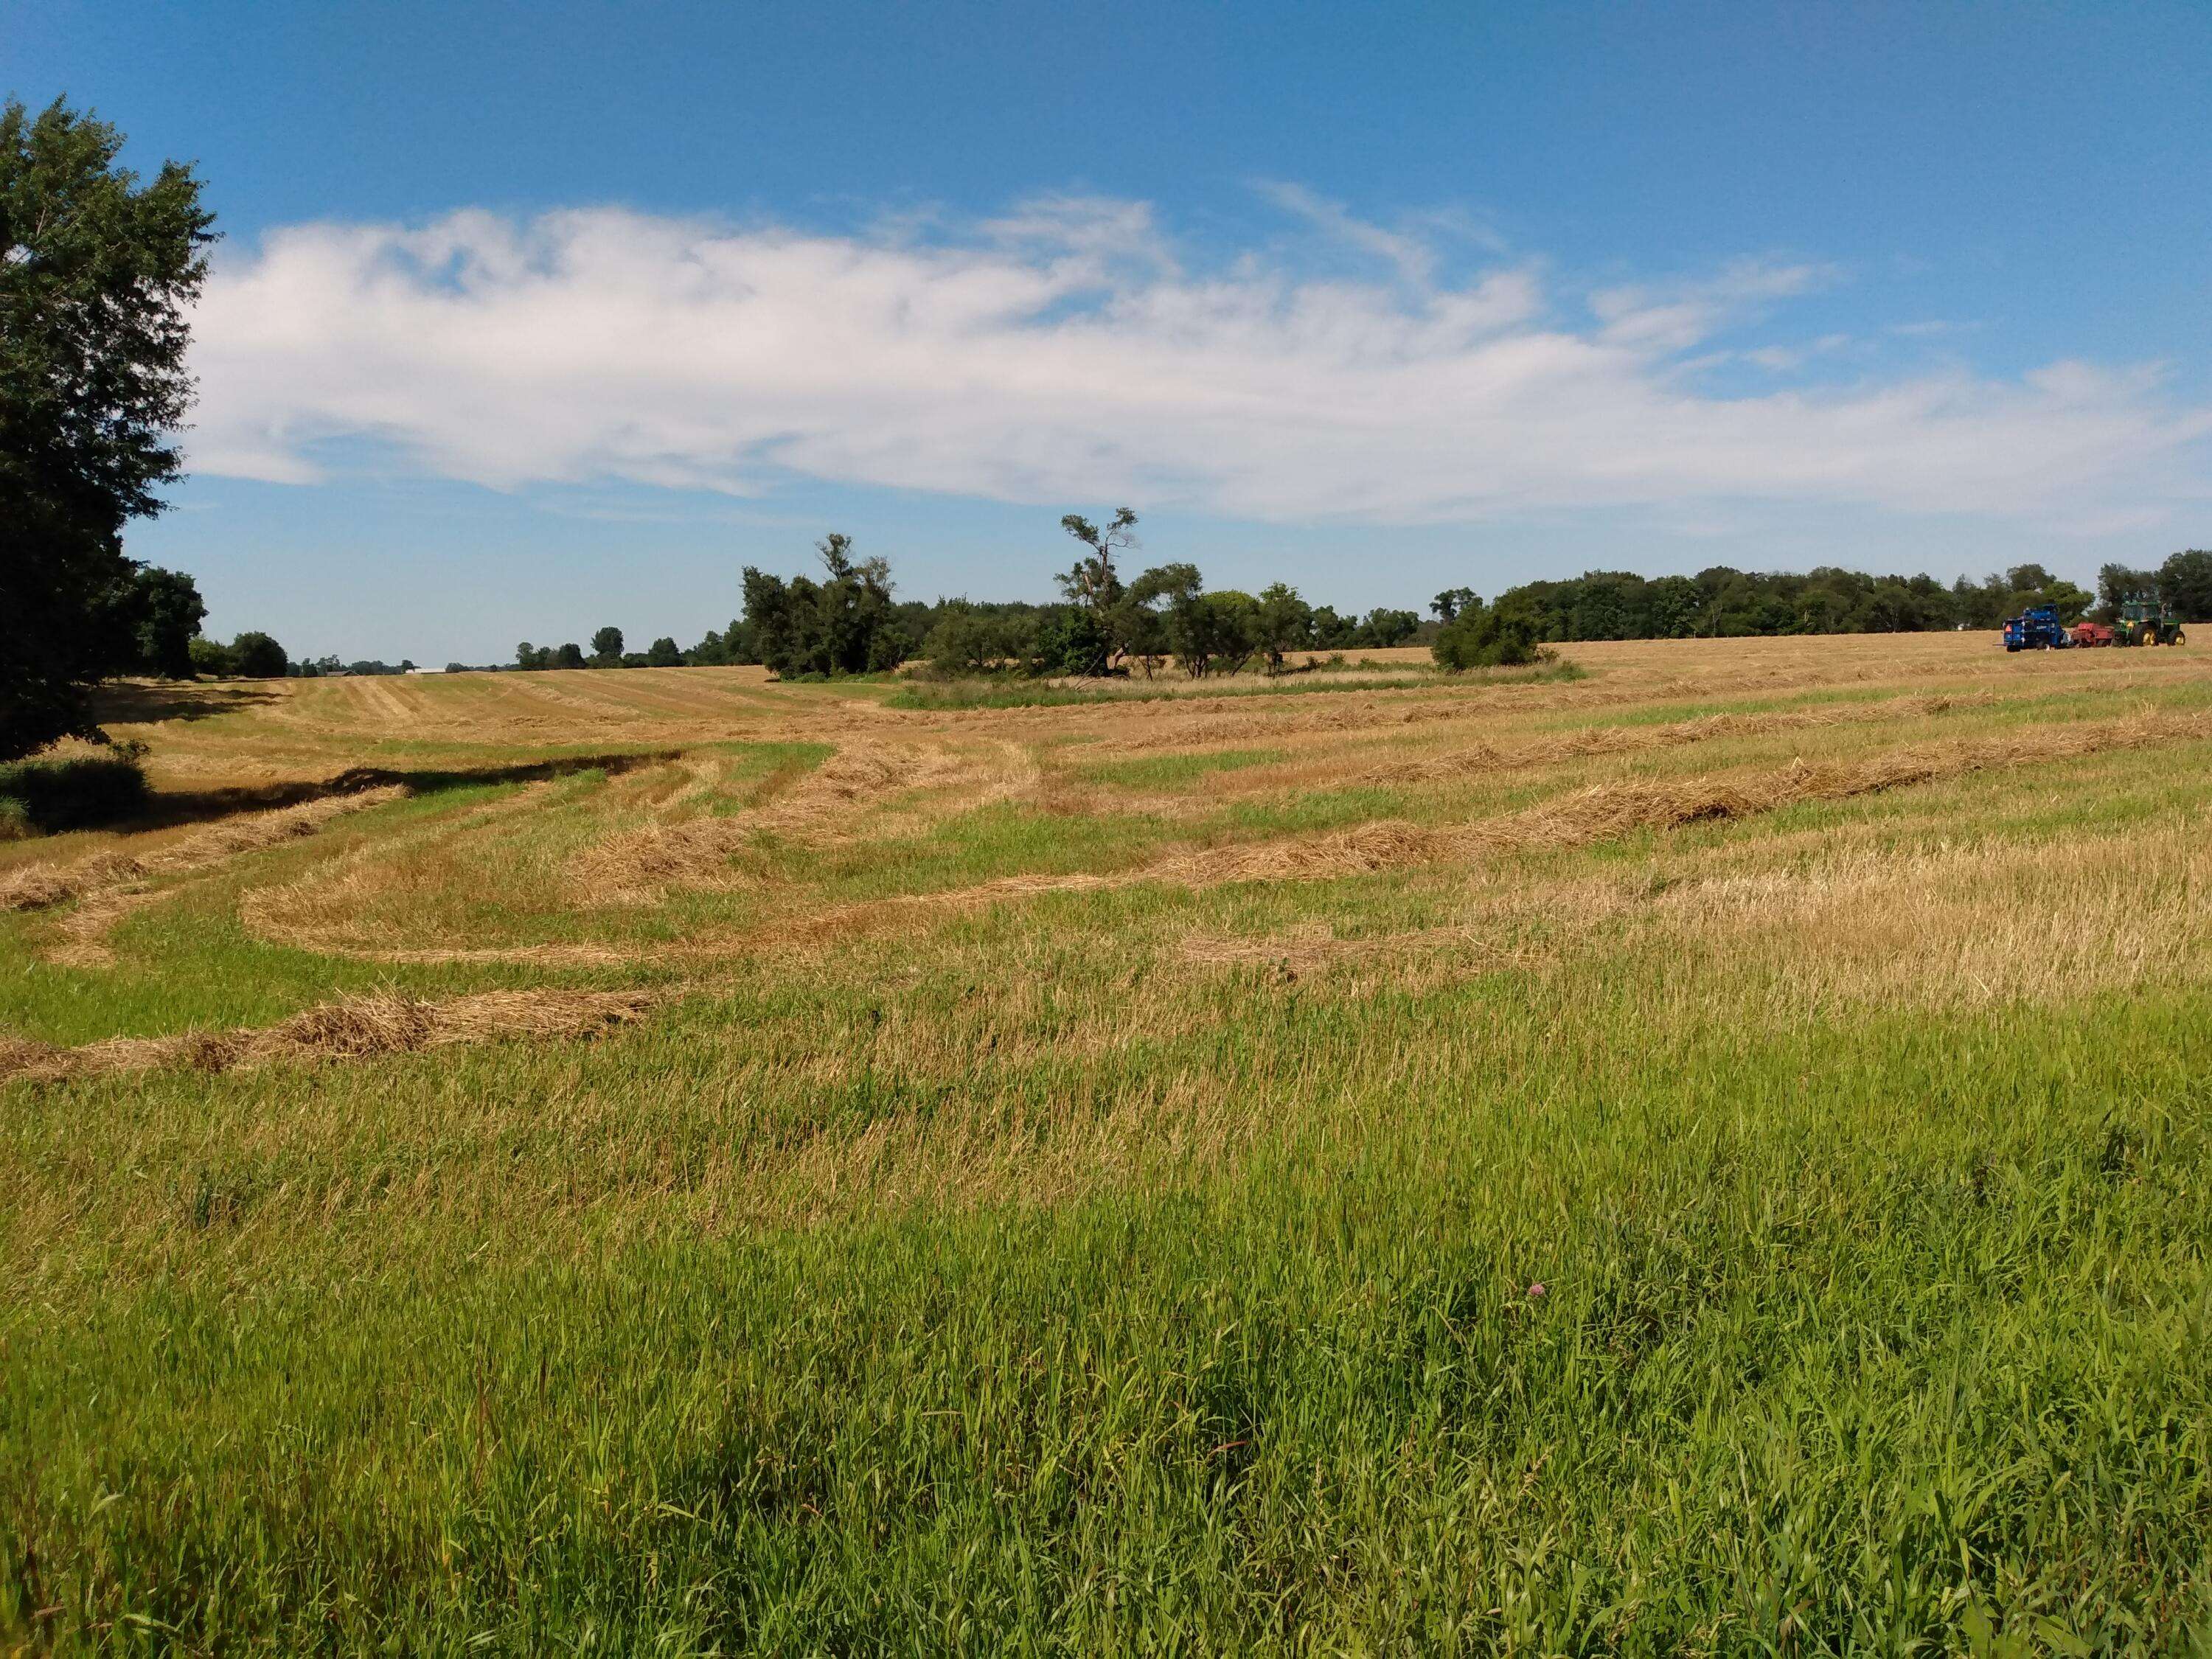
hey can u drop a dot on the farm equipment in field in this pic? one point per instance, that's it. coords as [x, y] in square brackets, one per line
[2092, 632]
[2146, 622]
[2037, 628]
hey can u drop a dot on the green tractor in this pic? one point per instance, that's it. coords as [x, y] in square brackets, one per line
[2146, 622]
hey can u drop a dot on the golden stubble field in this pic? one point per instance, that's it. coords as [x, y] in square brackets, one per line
[668, 821]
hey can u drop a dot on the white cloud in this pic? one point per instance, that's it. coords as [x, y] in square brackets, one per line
[1065, 352]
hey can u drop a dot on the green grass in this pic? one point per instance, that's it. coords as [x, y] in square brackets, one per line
[1169, 771]
[1824, 1343]
[1036, 694]
[1019, 1278]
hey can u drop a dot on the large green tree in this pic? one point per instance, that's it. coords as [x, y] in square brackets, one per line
[845, 624]
[2185, 581]
[97, 272]
[258, 657]
[166, 614]
[1284, 622]
[1094, 584]
[2119, 583]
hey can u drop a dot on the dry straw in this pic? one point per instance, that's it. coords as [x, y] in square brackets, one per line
[383, 1022]
[40, 886]
[1637, 740]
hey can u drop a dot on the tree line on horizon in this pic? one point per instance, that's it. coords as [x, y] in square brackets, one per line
[849, 621]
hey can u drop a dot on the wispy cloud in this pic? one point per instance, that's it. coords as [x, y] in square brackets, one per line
[1415, 260]
[1066, 351]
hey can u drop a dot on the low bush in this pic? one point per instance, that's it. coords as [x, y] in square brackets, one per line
[40, 797]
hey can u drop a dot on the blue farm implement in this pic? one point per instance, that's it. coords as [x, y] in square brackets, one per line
[2037, 628]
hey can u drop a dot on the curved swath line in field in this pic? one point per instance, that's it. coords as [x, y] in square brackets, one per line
[262, 913]
[1586, 742]
[36, 887]
[1602, 813]
[110, 887]
[825, 804]
[356, 1027]
[118, 885]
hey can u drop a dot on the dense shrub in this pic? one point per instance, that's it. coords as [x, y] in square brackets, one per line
[1482, 636]
[1071, 641]
[972, 642]
[41, 797]
[251, 656]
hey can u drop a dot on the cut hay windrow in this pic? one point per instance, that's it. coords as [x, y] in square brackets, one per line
[1638, 740]
[823, 807]
[37, 887]
[1603, 812]
[1146, 728]
[356, 1027]
[1316, 946]
[635, 867]
[1606, 811]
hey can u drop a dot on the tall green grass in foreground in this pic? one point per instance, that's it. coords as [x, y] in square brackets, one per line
[1728, 1334]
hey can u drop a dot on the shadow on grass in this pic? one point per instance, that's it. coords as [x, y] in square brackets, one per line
[144, 702]
[168, 808]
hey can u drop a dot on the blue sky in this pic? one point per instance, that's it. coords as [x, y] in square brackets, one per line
[532, 318]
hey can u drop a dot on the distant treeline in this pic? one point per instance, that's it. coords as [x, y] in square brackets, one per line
[1726, 602]
[847, 620]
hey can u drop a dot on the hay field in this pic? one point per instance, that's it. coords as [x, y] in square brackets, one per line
[1709, 1155]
